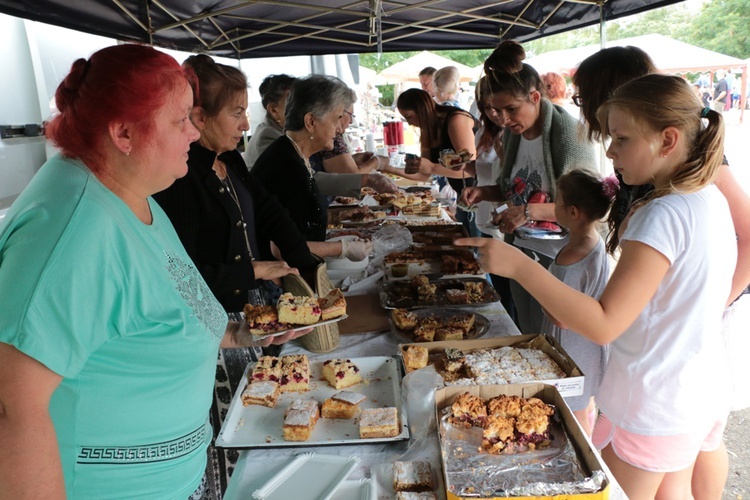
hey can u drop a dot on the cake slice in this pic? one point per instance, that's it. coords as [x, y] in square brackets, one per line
[332, 305]
[263, 319]
[412, 476]
[449, 333]
[497, 433]
[425, 330]
[456, 296]
[379, 423]
[415, 357]
[298, 310]
[464, 321]
[474, 290]
[298, 425]
[467, 411]
[295, 373]
[264, 393]
[341, 373]
[306, 404]
[403, 319]
[505, 406]
[267, 368]
[533, 423]
[343, 404]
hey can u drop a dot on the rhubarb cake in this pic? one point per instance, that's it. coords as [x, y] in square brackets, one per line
[497, 433]
[263, 319]
[264, 393]
[341, 373]
[468, 411]
[298, 310]
[379, 423]
[267, 368]
[295, 373]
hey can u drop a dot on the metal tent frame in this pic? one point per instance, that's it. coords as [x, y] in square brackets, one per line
[271, 28]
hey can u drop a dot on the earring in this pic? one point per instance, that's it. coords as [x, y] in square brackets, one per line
[127, 153]
[311, 137]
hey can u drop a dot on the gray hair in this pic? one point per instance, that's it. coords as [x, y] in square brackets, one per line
[316, 94]
[446, 80]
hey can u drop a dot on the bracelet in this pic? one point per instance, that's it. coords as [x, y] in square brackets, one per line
[527, 213]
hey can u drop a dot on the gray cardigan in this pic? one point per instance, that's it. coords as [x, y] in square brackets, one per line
[564, 146]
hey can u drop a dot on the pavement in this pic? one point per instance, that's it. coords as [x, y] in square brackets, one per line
[737, 440]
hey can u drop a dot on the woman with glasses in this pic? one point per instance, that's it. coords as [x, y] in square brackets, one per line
[540, 143]
[339, 160]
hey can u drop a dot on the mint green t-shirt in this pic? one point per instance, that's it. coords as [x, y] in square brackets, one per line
[116, 308]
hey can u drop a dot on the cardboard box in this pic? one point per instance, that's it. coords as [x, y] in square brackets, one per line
[572, 385]
[547, 393]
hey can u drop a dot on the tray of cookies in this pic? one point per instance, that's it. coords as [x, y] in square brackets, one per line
[419, 292]
[289, 401]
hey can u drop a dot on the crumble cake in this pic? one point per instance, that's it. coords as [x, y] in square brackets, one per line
[295, 373]
[341, 373]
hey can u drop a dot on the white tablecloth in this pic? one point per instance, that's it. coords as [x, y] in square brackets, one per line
[256, 467]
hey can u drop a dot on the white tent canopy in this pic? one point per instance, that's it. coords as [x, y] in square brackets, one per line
[668, 55]
[408, 69]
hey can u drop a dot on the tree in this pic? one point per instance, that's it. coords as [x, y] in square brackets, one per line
[722, 26]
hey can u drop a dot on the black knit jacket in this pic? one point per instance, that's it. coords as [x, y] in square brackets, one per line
[209, 226]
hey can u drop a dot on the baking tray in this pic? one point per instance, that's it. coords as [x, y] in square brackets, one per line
[256, 426]
[401, 294]
[481, 324]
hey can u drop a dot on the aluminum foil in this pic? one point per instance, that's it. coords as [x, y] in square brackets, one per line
[553, 470]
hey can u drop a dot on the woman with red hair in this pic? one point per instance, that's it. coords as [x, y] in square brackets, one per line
[107, 323]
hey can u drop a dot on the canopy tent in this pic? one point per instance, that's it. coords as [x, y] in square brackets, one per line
[269, 28]
[408, 69]
[668, 54]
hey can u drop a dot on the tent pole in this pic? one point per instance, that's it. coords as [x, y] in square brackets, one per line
[602, 27]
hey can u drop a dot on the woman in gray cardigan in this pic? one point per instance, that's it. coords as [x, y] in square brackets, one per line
[541, 141]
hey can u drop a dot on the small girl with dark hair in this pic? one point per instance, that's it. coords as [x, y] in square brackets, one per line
[583, 200]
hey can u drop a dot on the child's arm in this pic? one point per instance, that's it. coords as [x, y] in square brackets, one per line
[639, 272]
[739, 207]
[553, 319]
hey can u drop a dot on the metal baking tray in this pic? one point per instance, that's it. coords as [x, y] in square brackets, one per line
[401, 294]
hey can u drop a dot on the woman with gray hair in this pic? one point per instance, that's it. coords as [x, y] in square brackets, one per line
[314, 112]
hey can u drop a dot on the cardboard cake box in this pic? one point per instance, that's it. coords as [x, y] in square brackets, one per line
[588, 458]
[572, 385]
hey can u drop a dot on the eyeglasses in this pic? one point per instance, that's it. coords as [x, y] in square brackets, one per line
[351, 115]
[577, 100]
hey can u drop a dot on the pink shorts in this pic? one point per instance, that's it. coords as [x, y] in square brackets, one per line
[656, 453]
